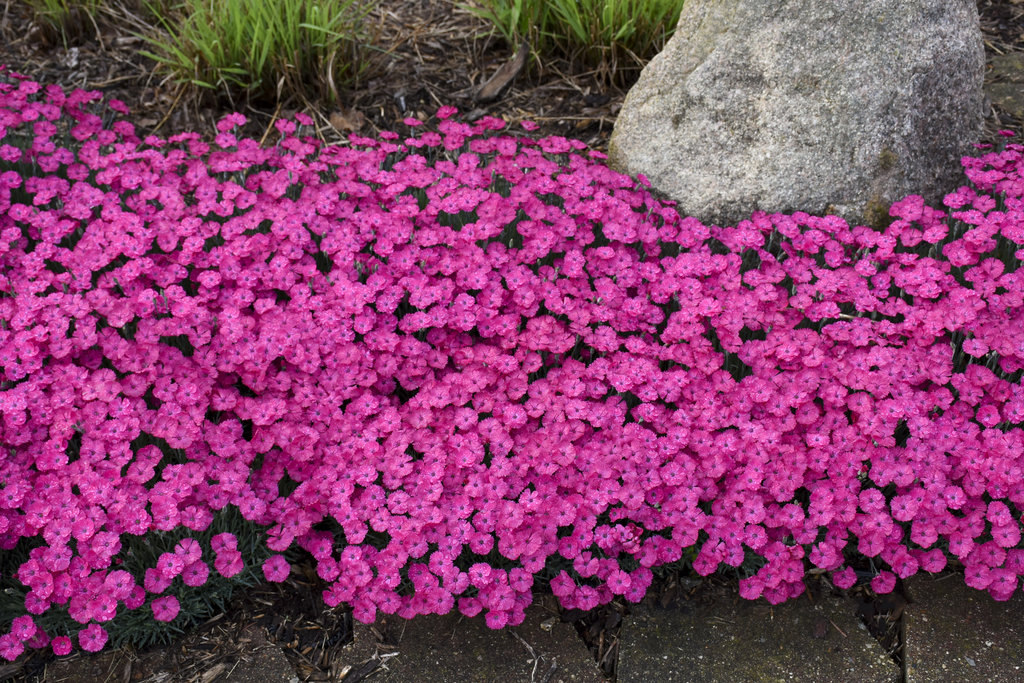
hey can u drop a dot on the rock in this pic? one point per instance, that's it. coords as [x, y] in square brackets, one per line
[720, 638]
[806, 105]
[454, 649]
[956, 633]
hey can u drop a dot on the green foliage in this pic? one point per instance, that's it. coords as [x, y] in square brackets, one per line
[263, 49]
[612, 36]
[137, 554]
[66, 19]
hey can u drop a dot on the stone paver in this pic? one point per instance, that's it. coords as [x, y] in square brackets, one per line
[455, 649]
[726, 639]
[265, 662]
[952, 632]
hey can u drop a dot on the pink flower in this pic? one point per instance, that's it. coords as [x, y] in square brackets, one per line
[165, 608]
[23, 627]
[276, 569]
[844, 578]
[618, 582]
[470, 607]
[92, 638]
[170, 565]
[1003, 584]
[118, 106]
[932, 561]
[10, 647]
[119, 584]
[544, 364]
[1007, 536]
[228, 563]
[230, 121]
[751, 587]
[39, 640]
[479, 574]
[136, 598]
[103, 607]
[188, 550]
[155, 581]
[364, 611]
[61, 645]
[978, 576]
[224, 541]
[195, 574]
[496, 619]
[446, 112]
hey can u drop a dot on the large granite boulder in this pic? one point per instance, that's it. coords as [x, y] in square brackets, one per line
[806, 105]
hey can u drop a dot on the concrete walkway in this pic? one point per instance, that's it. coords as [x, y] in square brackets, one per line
[955, 633]
[726, 639]
[950, 633]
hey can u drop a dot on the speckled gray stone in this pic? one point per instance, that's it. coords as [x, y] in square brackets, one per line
[806, 105]
[953, 632]
[455, 649]
[731, 639]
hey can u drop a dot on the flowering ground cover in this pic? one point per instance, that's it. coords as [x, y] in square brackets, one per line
[453, 364]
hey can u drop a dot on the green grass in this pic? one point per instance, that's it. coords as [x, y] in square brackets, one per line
[67, 20]
[264, 50]
[615, 37]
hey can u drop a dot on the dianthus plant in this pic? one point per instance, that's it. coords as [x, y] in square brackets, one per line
[449, 363]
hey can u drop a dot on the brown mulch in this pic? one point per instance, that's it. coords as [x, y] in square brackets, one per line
[428, 54]
[432, 53]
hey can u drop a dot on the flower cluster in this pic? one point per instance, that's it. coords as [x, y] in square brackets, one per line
[447, 364]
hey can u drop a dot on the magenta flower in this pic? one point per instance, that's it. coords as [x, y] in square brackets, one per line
[23, 627]
[473, 342]
[61, 645]
[228, 563]
[195, 574]
[165, 608]
[883, 582]
[10, 647]
[92, 638]
[155, 581]
[446, 112]
[119, 584]
[276, 569]
[496, 619]
[844, 578]
[136, 598]
[188, 550]
[170, 565]
[223, 541]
